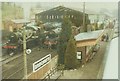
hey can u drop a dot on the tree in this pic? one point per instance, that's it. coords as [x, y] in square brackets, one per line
[71, 61]
[101, 26]
[63, 39]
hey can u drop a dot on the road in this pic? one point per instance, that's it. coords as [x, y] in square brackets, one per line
[14, 69]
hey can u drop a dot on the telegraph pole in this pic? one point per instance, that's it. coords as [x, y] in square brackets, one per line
[84, 28]
[24, 52]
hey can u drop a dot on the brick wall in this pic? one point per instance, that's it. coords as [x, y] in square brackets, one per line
[40, 74]
[83, 50]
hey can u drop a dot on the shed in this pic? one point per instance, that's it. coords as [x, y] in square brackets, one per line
[56, 15]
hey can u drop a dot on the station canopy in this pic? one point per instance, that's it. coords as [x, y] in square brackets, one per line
[88, 35]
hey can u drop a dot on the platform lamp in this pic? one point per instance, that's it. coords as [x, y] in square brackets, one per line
[24, 51]
[26, 10]
[24, 48]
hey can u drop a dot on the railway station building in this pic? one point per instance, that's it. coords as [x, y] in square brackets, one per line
[86, 43]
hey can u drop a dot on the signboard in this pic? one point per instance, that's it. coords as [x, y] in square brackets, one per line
[28, 51]
[41, 63]
[79, 55]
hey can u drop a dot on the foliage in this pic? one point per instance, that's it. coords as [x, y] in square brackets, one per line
[11, 11]
[101, 26]
[96, 26]
[63, 39]
[5, 34]
[71, 61]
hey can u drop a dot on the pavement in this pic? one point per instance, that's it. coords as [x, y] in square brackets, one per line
[89, 71]
[56, 75]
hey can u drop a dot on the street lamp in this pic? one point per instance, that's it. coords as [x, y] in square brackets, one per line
[26, 11]
[24, 52]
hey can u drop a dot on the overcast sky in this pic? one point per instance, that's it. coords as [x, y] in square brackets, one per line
[92, 6]
[110, 7]
[89, 5]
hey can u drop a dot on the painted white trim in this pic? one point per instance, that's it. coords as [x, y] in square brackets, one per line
[41, 63]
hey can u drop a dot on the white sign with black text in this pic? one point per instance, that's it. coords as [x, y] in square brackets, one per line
[42, 62]
[79, 55]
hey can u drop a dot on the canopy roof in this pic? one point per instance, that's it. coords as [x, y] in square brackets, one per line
[88, 35]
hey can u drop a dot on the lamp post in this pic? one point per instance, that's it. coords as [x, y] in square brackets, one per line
[26, 11]
[24, 52]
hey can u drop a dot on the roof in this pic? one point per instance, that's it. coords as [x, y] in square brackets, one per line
[88, 35]
[20, 21]
[86, 11]
[60, 9]
[32, 25]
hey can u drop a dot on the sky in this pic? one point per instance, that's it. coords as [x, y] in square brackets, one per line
[96, 6]
[108, 7]
[92, 6]
[89, 5]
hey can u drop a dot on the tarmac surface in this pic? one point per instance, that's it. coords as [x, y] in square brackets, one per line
[89, 71]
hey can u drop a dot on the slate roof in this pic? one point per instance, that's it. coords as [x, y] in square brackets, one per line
[88, 35]
[60, 9]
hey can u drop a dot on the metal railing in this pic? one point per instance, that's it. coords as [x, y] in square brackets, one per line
[51, 73]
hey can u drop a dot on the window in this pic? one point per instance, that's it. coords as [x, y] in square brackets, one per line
[72, 16]
[57, 17]
[52, 16]
[47, 16]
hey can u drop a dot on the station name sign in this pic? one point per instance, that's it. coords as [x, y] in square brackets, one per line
[41, 63]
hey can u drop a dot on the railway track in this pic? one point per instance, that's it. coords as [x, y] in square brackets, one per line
[10, 58]
[17, 64]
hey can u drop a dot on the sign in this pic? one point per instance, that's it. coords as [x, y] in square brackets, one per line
[41, 63]
[79, 55]
[28, 51]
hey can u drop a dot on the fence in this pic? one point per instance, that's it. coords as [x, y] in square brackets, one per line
[51, 73]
